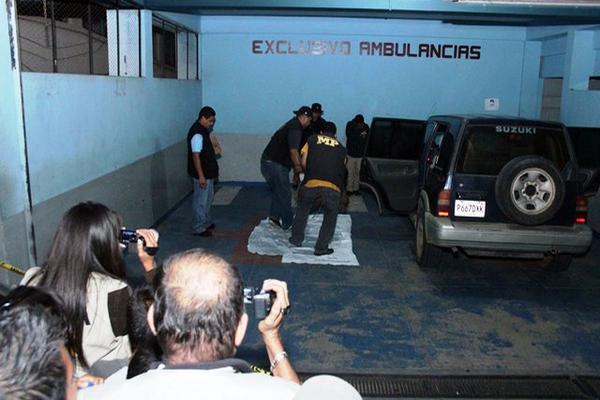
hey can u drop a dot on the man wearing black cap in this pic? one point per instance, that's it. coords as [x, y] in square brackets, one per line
[315, 127]
[281, 155]
[323, 158]
[356, 139]
[317, 124]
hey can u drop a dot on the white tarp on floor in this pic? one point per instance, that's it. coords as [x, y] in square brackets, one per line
[268, 240]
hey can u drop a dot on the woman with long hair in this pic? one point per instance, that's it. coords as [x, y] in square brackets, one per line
[85, 267]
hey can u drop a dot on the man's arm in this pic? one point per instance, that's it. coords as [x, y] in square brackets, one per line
[198, 167]
[197, 145]
[269, 329]
[150, 241]
[296, 161]
[294, 139]
[304, 155]
[216, 145]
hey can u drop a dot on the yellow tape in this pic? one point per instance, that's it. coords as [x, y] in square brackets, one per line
[11, 268]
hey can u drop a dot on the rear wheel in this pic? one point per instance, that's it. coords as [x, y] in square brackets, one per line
[427, 255]
[557, 262]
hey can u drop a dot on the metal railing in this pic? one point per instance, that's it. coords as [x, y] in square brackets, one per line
[71, 36]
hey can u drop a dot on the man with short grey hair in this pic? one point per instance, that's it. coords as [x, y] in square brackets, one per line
[199, 320]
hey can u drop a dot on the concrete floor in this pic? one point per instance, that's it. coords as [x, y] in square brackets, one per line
[473, 316]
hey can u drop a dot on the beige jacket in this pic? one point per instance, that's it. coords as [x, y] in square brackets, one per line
[99, 342]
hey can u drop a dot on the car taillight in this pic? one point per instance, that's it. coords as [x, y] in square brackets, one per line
[443, 203]
[581, 209]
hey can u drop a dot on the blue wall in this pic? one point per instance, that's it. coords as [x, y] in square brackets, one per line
[81, 127]
[572, 53]
[255, 93]
[597, 51]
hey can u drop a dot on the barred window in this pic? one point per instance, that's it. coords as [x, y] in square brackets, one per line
[79, 37]
[174, 49]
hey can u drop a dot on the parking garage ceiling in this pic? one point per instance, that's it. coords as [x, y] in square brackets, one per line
[503, 12]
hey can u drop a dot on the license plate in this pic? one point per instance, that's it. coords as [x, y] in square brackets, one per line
[469, 208]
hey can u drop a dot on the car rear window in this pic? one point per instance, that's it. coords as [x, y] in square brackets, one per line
[487, 148]
[396, 139]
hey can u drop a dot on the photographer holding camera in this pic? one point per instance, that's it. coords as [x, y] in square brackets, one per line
[85, 267]
[199, 320]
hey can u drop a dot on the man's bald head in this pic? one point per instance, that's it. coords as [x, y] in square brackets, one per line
[198, 307]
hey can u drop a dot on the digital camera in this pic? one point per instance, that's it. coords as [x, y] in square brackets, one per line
[262, 301]
[127, 236]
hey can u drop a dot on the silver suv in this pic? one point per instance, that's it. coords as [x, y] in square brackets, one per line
[488, 186]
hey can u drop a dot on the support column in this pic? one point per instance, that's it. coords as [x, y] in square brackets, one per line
[531, 84]
[16, 229]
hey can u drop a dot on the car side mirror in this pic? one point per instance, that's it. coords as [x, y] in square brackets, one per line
[583, 175]
[588, 178]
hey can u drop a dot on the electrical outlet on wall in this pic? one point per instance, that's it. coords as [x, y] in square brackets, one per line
[491, 104]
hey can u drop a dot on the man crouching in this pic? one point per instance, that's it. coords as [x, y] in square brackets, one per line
[323, 159]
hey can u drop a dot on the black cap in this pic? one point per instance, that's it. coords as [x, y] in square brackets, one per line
[329, 129]
[304, 110]
[316, 108]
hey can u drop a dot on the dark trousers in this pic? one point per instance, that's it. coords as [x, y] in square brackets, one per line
[278, 178]
[329, 201]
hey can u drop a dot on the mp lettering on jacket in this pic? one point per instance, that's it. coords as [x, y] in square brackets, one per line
[328, 141]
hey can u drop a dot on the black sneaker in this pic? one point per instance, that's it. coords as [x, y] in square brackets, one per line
[323, 252]
[275, 222]
[211, 227]
[206, 233]
[295, 244]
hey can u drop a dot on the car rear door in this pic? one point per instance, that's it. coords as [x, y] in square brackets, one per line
[586, 142]
[487, 147]
[391, 161]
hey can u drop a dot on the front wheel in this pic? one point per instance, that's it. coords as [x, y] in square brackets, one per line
[427, 255]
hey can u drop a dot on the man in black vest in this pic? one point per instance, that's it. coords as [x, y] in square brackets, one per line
[323, 158]
[281, 154]
[203, 168]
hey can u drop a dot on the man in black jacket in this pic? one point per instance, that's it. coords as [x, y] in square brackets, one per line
[203, 169]
[318, 122]
[281, 154]
[323, 158]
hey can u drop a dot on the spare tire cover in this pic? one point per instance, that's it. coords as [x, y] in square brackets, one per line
[530, 190]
